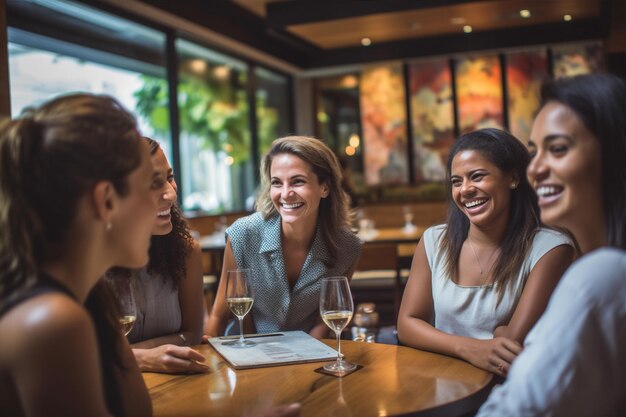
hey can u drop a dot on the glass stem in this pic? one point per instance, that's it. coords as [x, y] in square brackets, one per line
[338, 348]
[240, 330]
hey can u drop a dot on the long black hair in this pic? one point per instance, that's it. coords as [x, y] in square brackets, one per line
[599, 101]
[507, 153]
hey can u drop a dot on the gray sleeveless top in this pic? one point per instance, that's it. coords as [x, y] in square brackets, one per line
[158, 308]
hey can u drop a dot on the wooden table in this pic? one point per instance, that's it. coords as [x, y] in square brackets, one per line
[394, 380]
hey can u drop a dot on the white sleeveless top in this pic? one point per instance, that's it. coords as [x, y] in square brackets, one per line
[472, 311]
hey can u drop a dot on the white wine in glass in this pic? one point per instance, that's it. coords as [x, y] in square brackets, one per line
[239, 299]
[336, 308]
[123, 290]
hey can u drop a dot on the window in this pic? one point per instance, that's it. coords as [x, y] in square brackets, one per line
[215, 144]
[43, 65]
[272, 107]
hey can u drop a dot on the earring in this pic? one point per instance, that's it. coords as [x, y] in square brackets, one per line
[108, 227]
[513, 186]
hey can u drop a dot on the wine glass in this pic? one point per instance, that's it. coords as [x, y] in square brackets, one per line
[336, 308]
[123, 290]
[239, 299]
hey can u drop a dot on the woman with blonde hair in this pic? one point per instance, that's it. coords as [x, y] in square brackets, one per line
[300, 233]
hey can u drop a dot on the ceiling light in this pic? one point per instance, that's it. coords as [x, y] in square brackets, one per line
[366, 41]
[350, 150]
[354, 140]
[198, 66]
[567, 17]
[525, 13]
[467, 29]
[458, 20]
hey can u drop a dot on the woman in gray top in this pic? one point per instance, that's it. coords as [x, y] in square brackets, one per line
[168, 291]
[299, 235]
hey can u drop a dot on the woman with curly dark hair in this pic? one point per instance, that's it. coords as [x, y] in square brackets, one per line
[168, 291]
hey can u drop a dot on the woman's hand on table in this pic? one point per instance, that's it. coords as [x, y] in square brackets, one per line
[494, 355]
[171, 359]
[289, 410]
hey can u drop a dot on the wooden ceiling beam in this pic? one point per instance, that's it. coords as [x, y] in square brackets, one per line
[282, 14]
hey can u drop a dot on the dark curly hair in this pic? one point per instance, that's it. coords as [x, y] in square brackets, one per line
[169, 252]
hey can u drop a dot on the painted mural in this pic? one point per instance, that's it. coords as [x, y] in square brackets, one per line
[577, 59]
[432, 118]
[479, 93]
[525, 72]
[383, 118]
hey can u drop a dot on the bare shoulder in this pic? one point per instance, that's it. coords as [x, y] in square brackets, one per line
[42, 323]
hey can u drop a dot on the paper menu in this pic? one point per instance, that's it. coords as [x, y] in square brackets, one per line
[274, 349]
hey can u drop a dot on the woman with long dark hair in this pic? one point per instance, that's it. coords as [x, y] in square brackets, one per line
[76, 198]
[574, 359]
[167, 291]
[480, 282]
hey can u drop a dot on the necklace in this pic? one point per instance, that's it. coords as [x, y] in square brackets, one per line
[476, 256]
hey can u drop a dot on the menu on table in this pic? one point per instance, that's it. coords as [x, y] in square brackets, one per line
[273, 349]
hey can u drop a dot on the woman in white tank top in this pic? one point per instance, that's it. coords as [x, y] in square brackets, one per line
[480, 282]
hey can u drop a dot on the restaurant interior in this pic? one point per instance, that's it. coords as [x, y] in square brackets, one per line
[387, 85]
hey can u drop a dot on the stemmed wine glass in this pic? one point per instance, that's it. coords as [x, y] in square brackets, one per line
[123, 290]
[336, 308]
[239, 299]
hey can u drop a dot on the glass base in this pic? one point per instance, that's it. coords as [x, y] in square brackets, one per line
[245, 343]
[340, 366]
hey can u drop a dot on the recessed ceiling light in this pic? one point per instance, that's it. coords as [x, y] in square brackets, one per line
[567, 17]
[366, 41]
[467, 29]
[458, 20]
[525, 13]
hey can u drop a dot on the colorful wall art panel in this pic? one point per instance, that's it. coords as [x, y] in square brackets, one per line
[383, 118]
[577, 59]
[479, 93]
[525, 72]
[432, 118]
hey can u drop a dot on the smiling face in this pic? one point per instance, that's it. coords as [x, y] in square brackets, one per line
[566, 168]
[295, 189]
[480, 189]
[165, 188]
[135, 219]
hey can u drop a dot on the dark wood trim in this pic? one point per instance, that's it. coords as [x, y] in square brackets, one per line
[238, 23]
[172, 84]
[409, 120]
[505, 92]
[5, 95]
[286, 13]
[473, 42]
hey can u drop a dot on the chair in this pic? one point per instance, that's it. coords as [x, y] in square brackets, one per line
[377, 279]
